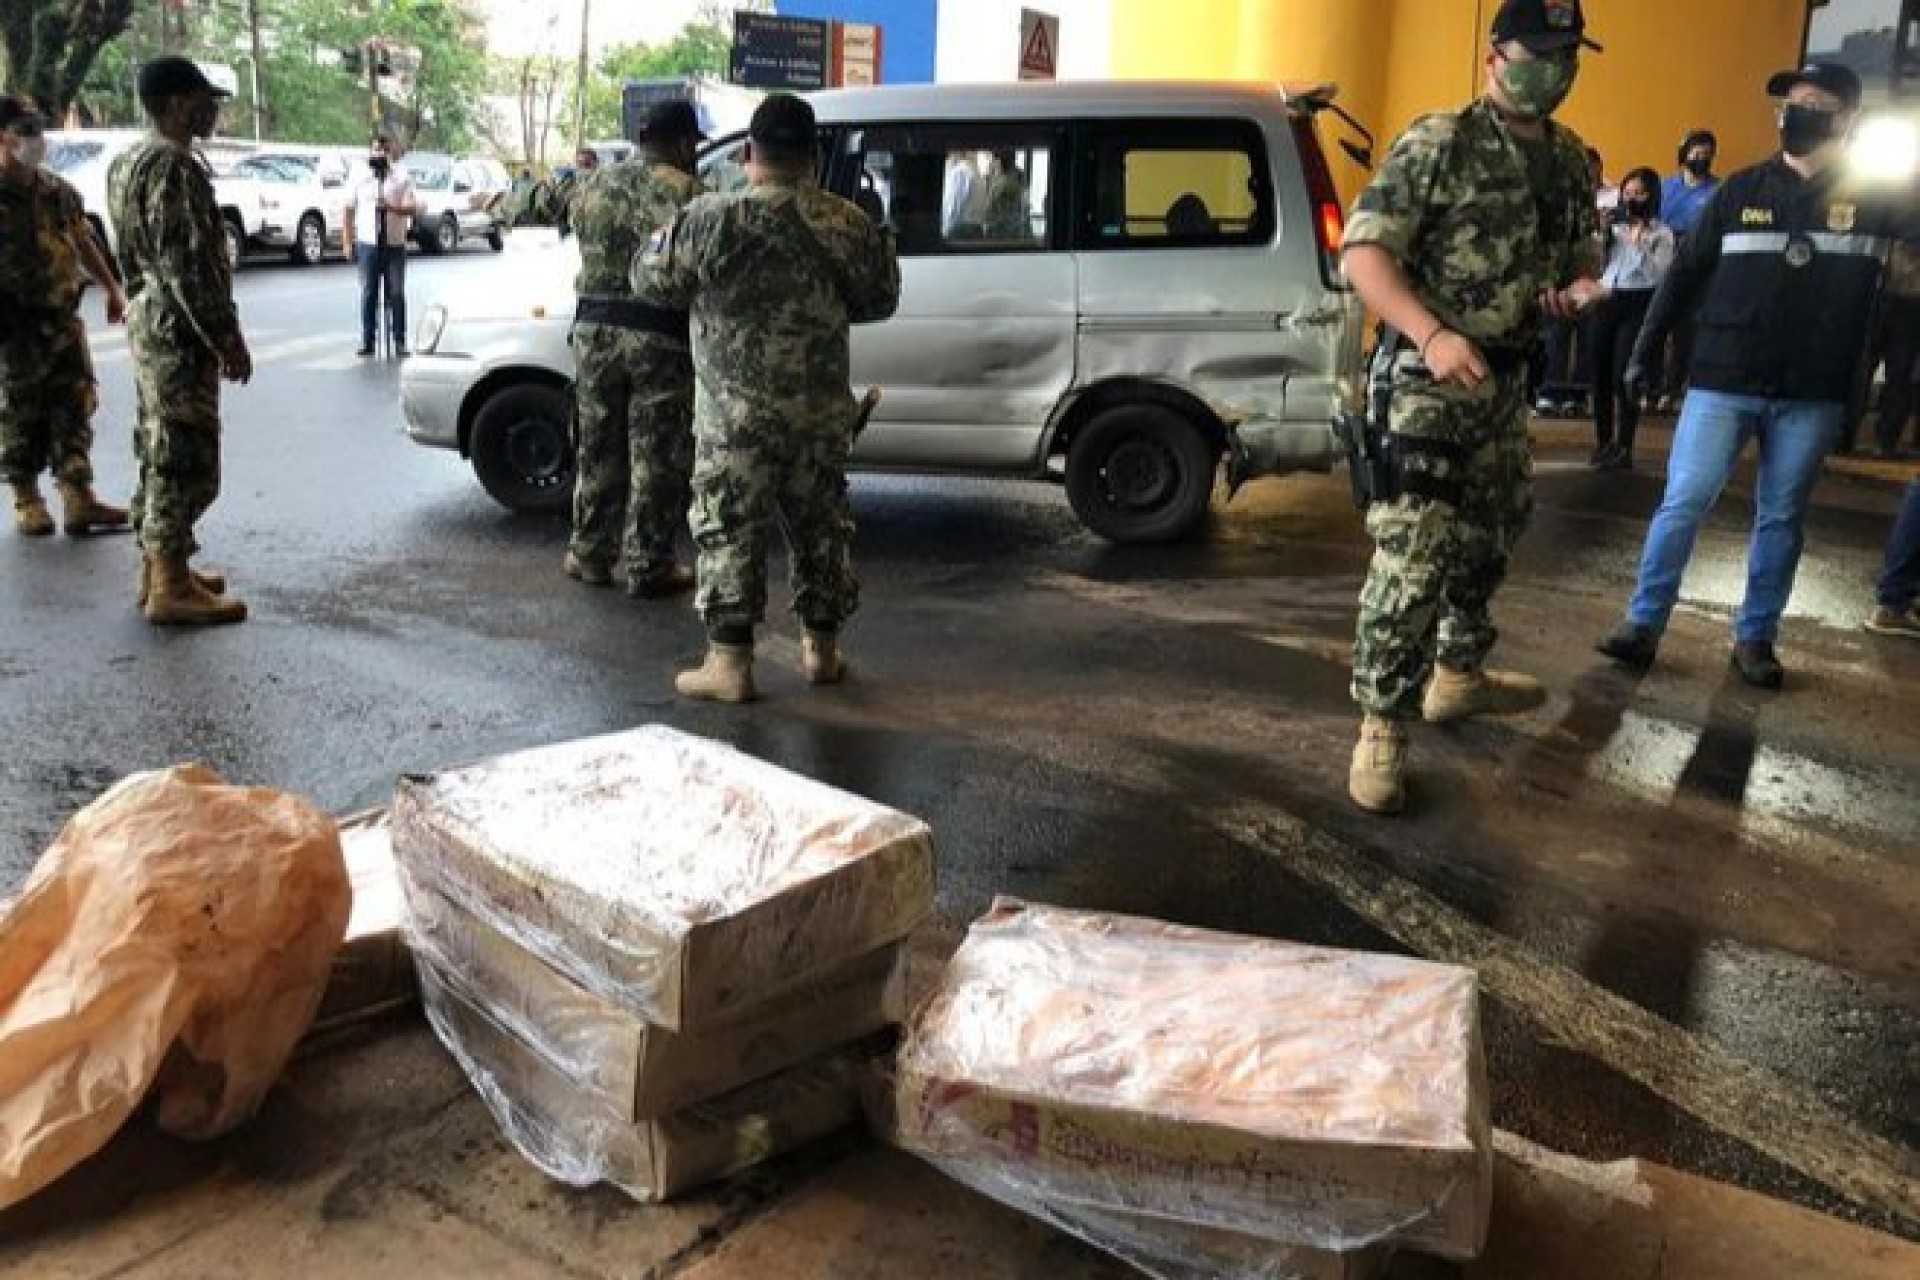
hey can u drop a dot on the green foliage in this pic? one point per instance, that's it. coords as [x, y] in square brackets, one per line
[701, 49]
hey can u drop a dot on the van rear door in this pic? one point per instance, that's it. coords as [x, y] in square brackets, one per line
[982, 347]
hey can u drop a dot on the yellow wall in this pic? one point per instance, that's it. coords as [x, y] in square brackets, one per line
[1669, 64]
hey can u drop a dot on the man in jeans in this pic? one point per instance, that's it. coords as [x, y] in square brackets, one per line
[1784, 265]
[373, 232]
[1897, 611]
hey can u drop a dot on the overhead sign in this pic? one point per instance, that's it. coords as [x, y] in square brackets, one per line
[1039, 45]
[774, 52]
[856, 53]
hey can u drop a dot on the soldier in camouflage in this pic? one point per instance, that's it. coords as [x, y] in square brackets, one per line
[47, 389]
[633, 371]
[185, 335]
[1476, 228]
[774, 275]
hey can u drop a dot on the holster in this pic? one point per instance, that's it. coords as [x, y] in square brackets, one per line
[1381, 465]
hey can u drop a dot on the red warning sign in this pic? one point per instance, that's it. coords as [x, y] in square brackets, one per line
[1039, 40]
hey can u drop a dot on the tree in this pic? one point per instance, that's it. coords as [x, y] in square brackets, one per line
[51, 45]
[701, 49]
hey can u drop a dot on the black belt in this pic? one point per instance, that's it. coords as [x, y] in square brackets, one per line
[631, 313]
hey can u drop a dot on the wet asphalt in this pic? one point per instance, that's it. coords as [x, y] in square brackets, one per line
[1073, 717]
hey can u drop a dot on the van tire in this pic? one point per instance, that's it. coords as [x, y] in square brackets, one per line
[236, 242]
[522, 448]
[1140, 473]
[446, 234]
[309, 241]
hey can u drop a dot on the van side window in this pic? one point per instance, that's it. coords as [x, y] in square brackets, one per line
[1177, 185]
[954, 189]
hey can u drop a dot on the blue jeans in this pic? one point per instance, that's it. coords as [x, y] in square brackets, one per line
[380, 266]
[1794, 437]
[1900, 580]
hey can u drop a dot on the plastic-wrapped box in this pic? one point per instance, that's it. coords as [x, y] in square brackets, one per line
[672, 876]
[1328, 1099]
[614, 1054]
[582, 1137]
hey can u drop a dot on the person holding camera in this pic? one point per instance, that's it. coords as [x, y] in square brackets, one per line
[373, 233]
[1640, 251]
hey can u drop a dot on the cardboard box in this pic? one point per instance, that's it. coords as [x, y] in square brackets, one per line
[372, 973]
[612, 1053]
[581, 1138]
[1330, 1099]
[674, 877]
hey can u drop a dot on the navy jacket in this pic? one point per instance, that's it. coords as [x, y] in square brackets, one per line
[1781, 275]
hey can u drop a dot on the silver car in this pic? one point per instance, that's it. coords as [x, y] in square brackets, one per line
[1115, 287]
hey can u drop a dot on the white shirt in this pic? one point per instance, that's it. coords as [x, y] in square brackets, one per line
[1632, 267]
[396, 190]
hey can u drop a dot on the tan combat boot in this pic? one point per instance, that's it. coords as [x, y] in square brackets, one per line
[1455, 695]
[83, 513]
[30, 514]
[820, 658]
[1377, 780]
[213, 584]
[174, 599]
[725, 676]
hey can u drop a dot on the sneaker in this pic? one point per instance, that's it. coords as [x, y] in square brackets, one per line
[1598, 458]
[1758, 665]
[1887, 622]
[1631, 646]
[364, 352]
[1545, 408]
[1617, 459]
[401, 353]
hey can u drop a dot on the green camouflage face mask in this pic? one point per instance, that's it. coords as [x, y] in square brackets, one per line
[1537, 88]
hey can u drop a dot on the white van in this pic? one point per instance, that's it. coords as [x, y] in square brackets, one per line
[1118, 286]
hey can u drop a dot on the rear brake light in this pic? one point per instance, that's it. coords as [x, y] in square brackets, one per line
[1333, 226]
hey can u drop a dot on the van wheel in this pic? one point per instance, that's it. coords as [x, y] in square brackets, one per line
[495, 240]
[522, 448]
[236, 242]
[310, 241]
[446, 235]
[1140, 473]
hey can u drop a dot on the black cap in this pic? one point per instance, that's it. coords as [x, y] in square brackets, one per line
[1543, 26]
[1831, 76]
[170, 77]
[670, 120]
[784, 124]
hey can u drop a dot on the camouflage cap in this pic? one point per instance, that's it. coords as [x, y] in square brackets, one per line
[1543, 26]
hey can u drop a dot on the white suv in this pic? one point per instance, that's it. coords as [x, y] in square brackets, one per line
[286, 200]
[457, 195]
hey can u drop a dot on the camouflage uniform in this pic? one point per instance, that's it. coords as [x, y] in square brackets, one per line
[180, 319]
[1480, 223]
[774, 276]
[633, 387]
[47, 390]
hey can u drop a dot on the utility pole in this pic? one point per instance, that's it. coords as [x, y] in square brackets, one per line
[580, 91]
[259, 80]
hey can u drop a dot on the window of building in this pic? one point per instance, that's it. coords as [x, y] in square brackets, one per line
[1177, 185]
[955, 189]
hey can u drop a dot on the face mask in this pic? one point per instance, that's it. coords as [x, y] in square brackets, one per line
[31, 152]
[1640, 209]
[202, 117]
[1699, 165]
[1804, 130]
[1536, 89]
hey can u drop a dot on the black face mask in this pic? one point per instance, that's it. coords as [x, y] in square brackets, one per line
[1641, 209]
[378, 166]
[1804, 130]
[1699, 166]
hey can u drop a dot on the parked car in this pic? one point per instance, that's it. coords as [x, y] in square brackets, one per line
[1140, 282]
[83, 157]
[287, 200]
[457, 195]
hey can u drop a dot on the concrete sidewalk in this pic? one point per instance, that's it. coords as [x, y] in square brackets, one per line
[377, 1159]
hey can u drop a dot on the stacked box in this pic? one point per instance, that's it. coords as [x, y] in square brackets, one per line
[1172, 1094]
[651, 953]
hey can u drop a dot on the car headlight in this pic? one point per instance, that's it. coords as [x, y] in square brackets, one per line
[433, 322]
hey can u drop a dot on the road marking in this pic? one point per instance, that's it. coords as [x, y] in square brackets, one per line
[1767, 1112]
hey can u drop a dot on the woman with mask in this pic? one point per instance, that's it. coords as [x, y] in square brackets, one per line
[1640, 251]
[1781, 275]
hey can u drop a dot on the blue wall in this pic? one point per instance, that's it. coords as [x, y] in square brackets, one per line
[909, 31]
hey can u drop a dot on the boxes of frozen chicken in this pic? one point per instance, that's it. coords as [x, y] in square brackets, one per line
[646, 1070]
[672, 876]
[1328, 1099]
[580, 1137]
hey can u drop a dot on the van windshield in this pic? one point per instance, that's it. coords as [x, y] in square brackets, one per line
[65, 157]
